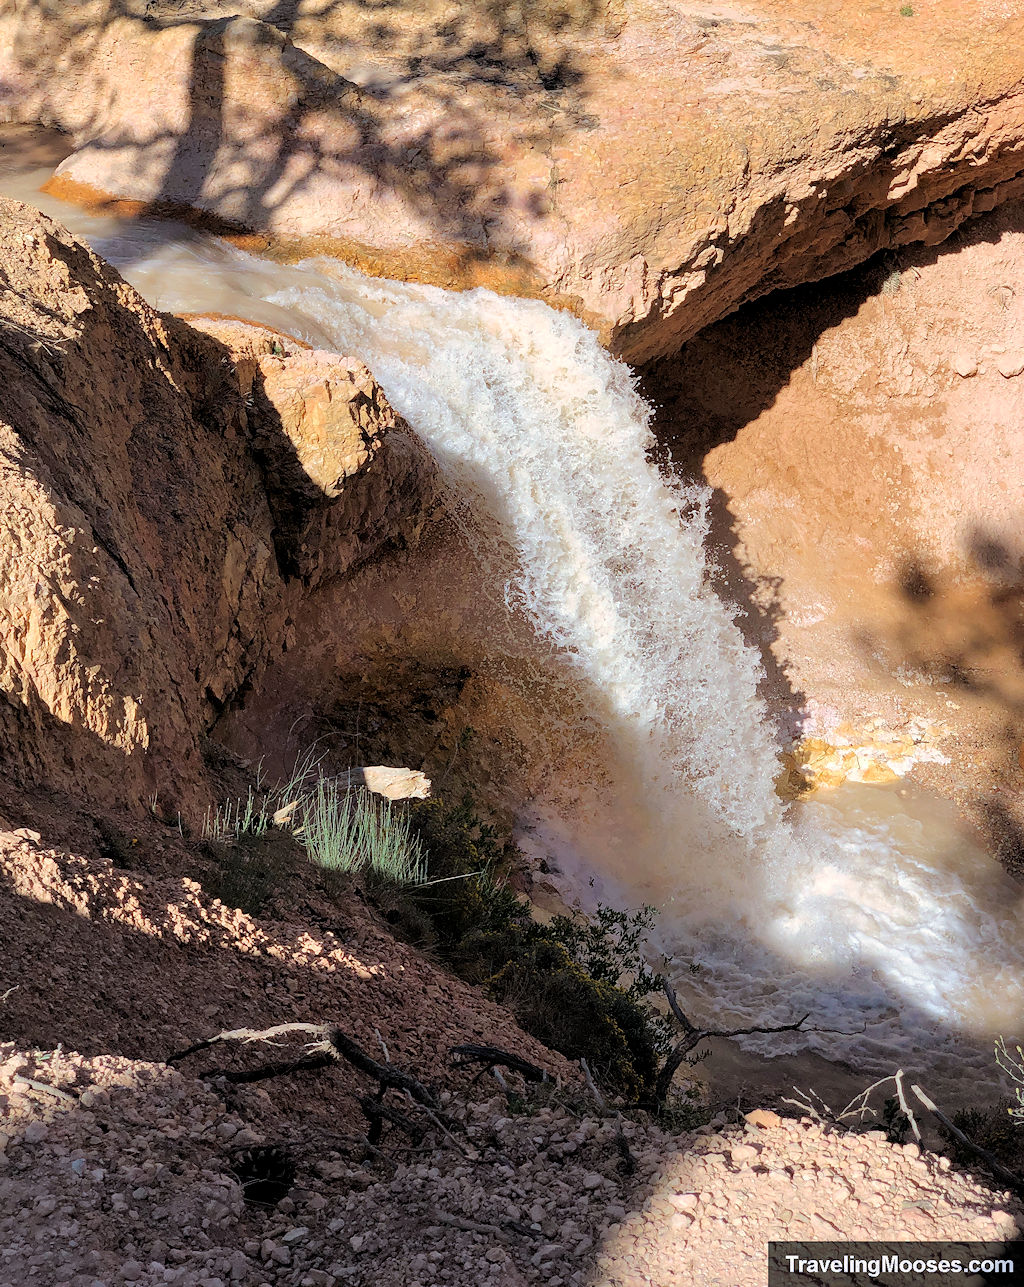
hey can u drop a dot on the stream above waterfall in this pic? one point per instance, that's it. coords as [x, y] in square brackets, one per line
[868, 907]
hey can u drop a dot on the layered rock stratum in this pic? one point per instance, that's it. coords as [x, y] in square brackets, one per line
[650, 165]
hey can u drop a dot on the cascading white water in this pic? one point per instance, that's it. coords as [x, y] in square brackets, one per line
[861, 925]
[856, 916]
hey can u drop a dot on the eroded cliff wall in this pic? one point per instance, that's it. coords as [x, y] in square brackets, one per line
[168, 496]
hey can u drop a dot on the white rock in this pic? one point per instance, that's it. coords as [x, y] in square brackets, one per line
[393, 784]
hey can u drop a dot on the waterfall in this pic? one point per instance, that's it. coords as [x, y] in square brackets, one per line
[880, 921]
[884, 926]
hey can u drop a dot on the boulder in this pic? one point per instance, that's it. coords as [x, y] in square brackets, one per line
[342, 474]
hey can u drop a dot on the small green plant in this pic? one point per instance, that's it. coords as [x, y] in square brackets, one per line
[247, 871]
[253, 814]
[254, 840]
[895, 1122]
[575, 983]
[348, 831]
[906, 11]
[892, 283]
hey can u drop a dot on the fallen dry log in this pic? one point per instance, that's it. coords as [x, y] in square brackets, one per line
[330, 1046]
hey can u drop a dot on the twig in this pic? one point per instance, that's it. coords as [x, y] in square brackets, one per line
[858, 1106]
[598, 1097]
[5, 995]
[246, 1077]
[386, 1074]
[333, 1045]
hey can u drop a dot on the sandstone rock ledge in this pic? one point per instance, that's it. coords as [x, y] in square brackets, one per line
[653, 165]
[167, 497]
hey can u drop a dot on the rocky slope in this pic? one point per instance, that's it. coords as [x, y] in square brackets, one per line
[116, 1168]
[652, 165]
[167, 501]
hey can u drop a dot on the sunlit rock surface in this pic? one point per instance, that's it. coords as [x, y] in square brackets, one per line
[651, 165]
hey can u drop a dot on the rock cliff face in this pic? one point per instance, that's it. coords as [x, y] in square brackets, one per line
[168, 496]
[864, 446]
[651, 165]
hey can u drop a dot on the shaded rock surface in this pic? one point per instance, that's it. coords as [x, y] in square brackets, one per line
[158, 520]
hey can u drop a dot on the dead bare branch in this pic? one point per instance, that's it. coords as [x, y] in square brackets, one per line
[598, 1097]
[1010, 1178]
[377, 1113]
[246, 1077]
[249, 1035]
[493, 1056]
[858, 1106]
[384, 1074]
[905, 1106]
[44, 1088]
[674, 1006]
[694, 1036]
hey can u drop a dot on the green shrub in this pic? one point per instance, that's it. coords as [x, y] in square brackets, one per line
[611, 946]
[466, 890]
[993, 1128]
[559, 1002]
[246, 872]
[575, 984]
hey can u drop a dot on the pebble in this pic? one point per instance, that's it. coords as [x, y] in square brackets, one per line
[965, 363]
[743, 1154]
